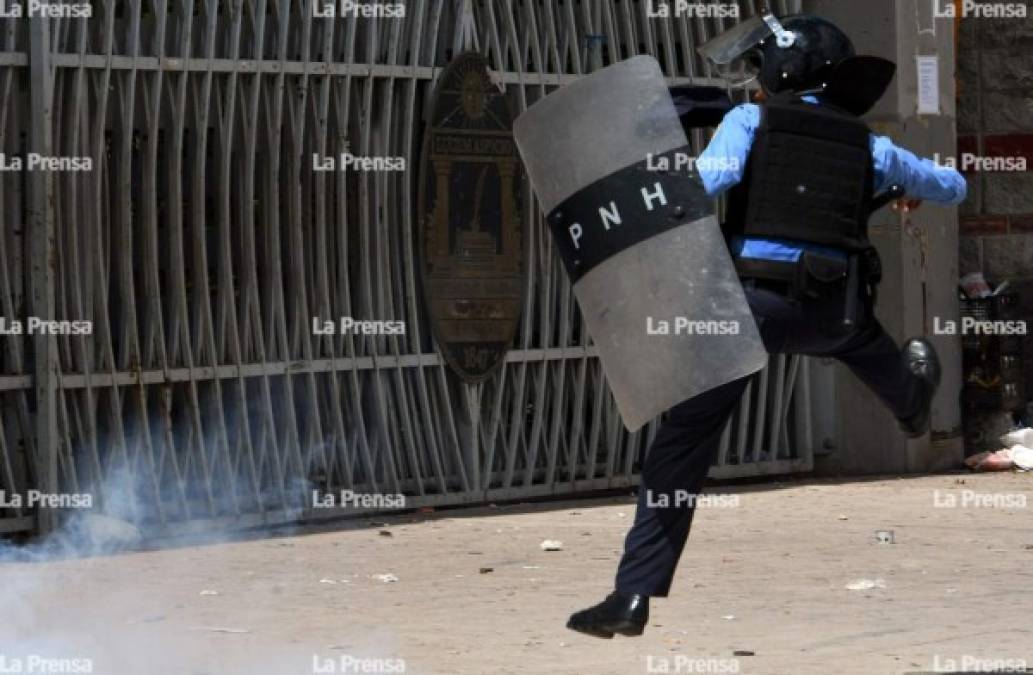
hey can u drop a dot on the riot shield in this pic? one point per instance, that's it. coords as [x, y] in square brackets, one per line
[607, 157]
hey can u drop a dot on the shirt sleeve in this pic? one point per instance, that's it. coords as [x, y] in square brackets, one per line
[921, 178]
[723, 162]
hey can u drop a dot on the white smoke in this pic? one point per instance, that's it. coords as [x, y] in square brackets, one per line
[126, 636]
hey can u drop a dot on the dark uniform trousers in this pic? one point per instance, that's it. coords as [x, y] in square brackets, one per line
[687, 441]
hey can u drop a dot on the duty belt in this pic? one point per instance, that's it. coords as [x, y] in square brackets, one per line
[816, 274]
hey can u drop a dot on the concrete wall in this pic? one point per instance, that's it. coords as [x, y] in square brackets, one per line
[995, 119]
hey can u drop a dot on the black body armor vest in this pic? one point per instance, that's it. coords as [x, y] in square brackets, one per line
[809, 177]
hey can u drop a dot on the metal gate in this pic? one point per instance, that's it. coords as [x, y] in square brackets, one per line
[200, 244]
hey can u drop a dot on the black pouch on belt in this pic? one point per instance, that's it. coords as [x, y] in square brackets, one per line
[820, 275]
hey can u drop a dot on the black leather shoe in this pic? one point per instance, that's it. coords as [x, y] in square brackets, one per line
[921, 359]
[618, 613]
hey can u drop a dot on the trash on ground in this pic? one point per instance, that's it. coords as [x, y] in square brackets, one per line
[1023, 436]
[552, 545]
[1022, 457]
[884, 536]
[866, 584]
[386, 578]
[991, 461]
[208, 592]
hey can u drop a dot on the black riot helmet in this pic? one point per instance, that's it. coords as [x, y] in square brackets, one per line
[818, 46]
[802, 54]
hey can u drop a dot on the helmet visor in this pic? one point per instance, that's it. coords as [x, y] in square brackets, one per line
[731, 45]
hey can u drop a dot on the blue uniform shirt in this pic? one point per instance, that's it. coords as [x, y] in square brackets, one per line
[723, 162]
[722, 165]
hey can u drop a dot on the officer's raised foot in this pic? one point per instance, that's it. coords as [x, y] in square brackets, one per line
[921, 359]
[618, 613]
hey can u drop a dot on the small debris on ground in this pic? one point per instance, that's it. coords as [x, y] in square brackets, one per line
[386, 578]
[552, 545]
[865, 584]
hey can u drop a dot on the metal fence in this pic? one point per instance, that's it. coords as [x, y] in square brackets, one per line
[201, 243]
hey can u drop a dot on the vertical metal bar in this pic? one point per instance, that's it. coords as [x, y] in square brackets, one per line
[760, 413]
[743, 435]
[775, 414]
[804, 441]
[41, 270]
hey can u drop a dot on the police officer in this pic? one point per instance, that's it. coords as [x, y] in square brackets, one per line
[803, 174]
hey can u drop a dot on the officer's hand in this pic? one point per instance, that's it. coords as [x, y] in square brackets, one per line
[904, 204]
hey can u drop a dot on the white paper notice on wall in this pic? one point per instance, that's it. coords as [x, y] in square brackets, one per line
[928, 85]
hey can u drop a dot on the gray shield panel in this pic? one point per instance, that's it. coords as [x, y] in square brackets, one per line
[667, 314]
